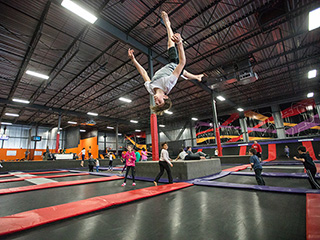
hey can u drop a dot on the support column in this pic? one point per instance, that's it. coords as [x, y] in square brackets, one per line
[117, 139]
[216, 125]
[191, 133]
[317, 104]
[105, 142]
[153, 117]
[244, 127]
[58, 134]
[278, 121]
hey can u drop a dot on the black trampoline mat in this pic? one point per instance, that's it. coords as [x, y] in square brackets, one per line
[25, 201]
[13, 185]
[74, 178]
[270, 181]
[192, 213]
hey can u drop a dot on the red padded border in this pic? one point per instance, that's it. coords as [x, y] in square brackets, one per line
[57, 184]
[237, 168]
[50, 176]
[34, 173]
[37, 217]
[243, 150]
[309, 148]
[272, 152]
[313, 216]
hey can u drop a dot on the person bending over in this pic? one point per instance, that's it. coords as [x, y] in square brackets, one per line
[165, 78]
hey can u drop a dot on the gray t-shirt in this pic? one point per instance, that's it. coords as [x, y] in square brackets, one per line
[163, 79]
[183, 154]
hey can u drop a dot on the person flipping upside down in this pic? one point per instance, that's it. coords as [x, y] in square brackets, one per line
[166, 77]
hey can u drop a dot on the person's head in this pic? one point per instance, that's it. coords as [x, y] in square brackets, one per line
[130, 148]
[189, 148]
[252, 151]
[90, 147]
[83, 148]
[143, 149]
[162, 104]
[286, 146]
[164, 145]
[302, 149]
[255, 142]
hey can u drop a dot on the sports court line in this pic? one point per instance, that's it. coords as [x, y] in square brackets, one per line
[50, 176]
[57, 184]
[30, 219]
[313, 216]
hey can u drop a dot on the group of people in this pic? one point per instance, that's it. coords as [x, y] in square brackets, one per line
[304, 157]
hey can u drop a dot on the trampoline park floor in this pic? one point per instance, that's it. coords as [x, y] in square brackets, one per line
[195, 212]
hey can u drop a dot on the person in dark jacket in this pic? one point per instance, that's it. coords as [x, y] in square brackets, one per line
[309, 165]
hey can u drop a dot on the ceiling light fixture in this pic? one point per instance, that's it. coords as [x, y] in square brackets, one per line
[310, 95]
[134, 121]
[221, 98]
[70, 122]
[314, 19]
[12, 114]
[125, 100]
[20, 100]
[240, 109]
[35, 74]
[92, 114]
[81, 12]
[312, 73]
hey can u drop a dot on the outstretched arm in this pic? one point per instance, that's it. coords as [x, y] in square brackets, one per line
[140, 69]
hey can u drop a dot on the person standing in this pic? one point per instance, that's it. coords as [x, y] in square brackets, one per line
[144, 155]
[91, 163]
[258, 148]
[164, 163]
[255, 164]
[110, 168]
[309, 165]
[130, 157]
[287, 151]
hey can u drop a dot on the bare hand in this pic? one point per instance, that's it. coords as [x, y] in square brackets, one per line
[171, 165]
[130, 53]
[295, 158]
[176, 38]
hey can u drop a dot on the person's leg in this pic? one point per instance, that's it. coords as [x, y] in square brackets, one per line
[97, 168]
[167, 23]
[160, 173]
[167, 167]
[111, 165]
[133, 172]
[259, 179]
[312, 178]
[127, 172]
[192, 76]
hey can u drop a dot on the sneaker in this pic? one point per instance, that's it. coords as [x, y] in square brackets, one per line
[133, 184]
[123, 184]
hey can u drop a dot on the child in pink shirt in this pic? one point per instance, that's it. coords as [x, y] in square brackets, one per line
[130, 158]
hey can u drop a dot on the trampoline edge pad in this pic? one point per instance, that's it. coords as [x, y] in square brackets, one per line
[37, 217]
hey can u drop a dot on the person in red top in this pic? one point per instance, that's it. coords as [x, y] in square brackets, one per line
[130, 158]
[257, 147]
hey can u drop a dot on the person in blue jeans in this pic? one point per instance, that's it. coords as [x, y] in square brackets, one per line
[255, 164]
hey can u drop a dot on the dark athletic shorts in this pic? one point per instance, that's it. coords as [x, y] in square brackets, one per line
[259, 155]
